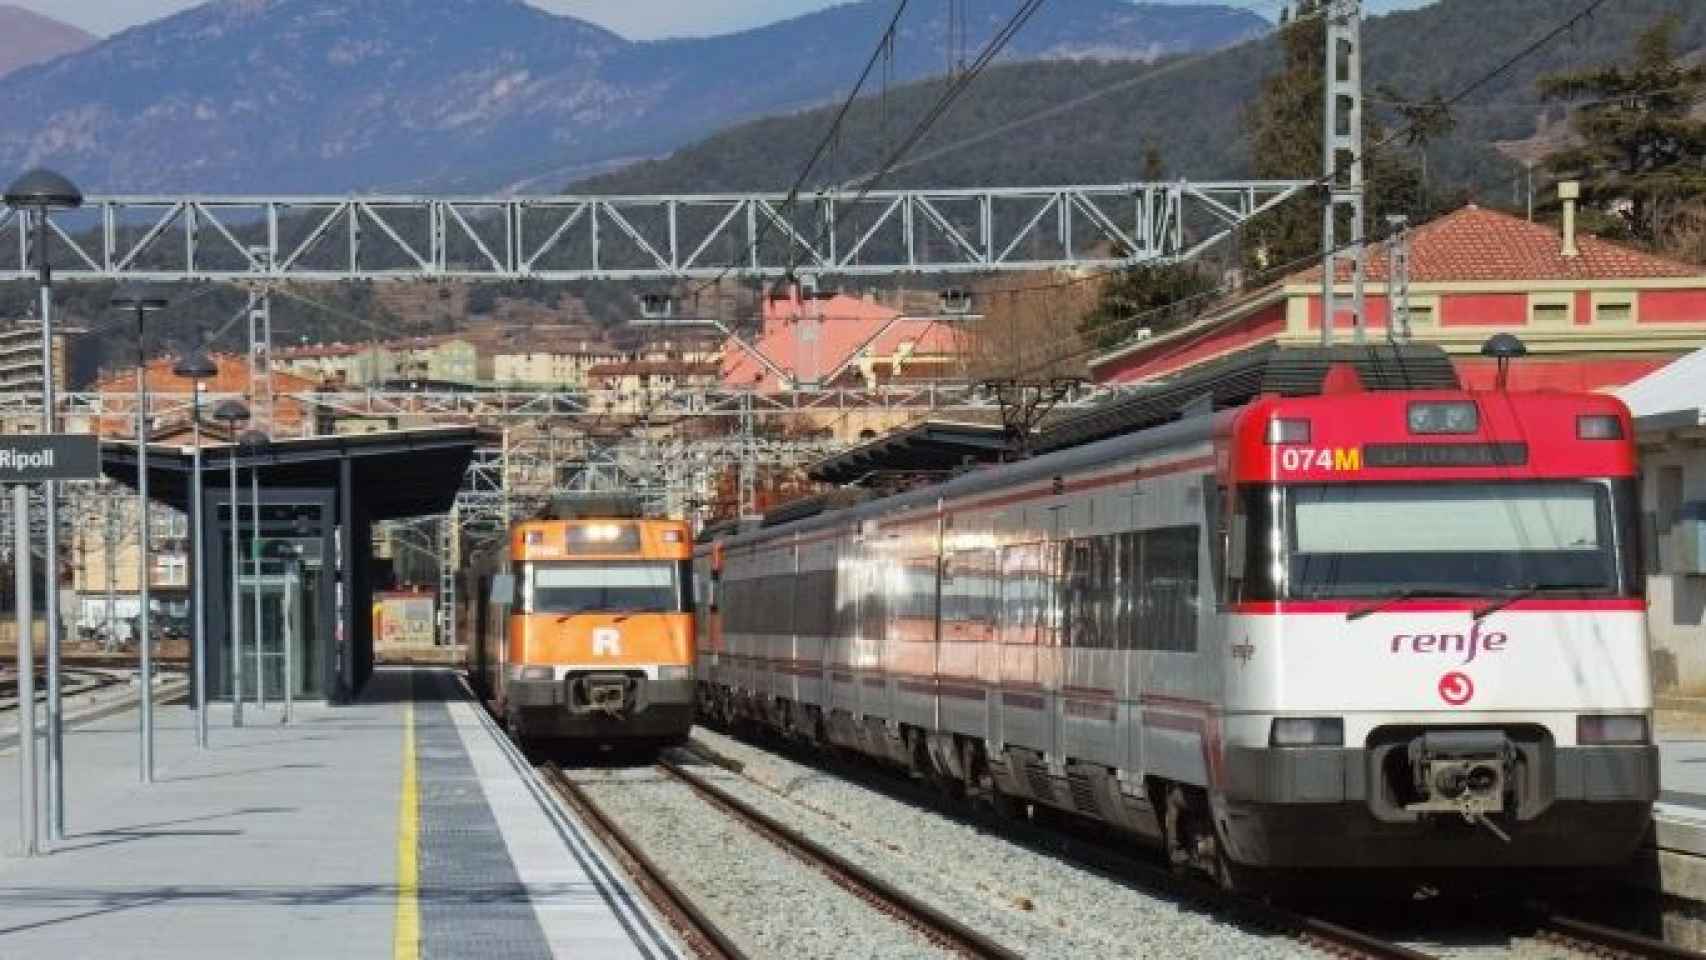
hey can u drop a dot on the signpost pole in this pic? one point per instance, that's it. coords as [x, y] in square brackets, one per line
[27, 782]
[255, 553]
[236, 597]
[50, 580]
[292, 594]
[200, 598]
[146, 568]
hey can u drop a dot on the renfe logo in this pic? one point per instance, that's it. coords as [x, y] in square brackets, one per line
[1456, 688]
[1468, 644]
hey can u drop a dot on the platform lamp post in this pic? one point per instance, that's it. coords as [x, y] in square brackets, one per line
[40, 191]
[232, 413]
[254, 440]
[144, 298]
[196, 366]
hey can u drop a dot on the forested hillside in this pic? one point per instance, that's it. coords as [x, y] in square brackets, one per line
[1191, 111]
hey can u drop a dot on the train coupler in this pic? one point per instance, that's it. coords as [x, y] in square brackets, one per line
[1466, 772]
[610, 694]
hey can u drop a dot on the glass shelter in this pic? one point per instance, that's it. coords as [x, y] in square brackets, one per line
[304, 558]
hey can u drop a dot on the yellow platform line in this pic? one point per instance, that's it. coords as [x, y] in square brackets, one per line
[406, 941]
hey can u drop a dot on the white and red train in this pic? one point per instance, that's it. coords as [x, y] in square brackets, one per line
[1357, 629]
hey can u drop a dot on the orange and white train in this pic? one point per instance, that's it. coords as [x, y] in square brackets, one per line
[582, 630]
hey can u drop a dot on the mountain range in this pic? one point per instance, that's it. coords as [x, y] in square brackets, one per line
[328, 96]
[1106, 122]
[28, 38]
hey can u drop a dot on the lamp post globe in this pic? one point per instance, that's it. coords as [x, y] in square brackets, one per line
[196, 366]
[43, 189]
[40, 191]
[233, 413]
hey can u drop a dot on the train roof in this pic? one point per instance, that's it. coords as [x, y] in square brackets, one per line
[1174, 414]
[1194, 429]
[1268, 369]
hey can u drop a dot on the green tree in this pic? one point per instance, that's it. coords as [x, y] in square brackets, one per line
[1284, 126]
[1156, 297]
[1638, 152]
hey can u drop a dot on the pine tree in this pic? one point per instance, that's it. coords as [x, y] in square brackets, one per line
[1285, 125]
[1157, 297]
[1639, 154]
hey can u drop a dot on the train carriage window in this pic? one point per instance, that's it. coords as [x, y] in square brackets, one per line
[775, 604]
[1128, 584]
[873, 601]
[1167, 603]
[1088, 593]
[1022, 587]
[814, 603]
[970, 592]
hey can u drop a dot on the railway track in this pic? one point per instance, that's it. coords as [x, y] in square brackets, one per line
[1595, 940]
[73, 681]
[1555, 931]
[931, 924]
[702, 933]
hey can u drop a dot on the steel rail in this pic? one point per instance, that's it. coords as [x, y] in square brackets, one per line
[882, 894]
[74, 686]
[1323, 935]
[1599, 940]
[688, 918]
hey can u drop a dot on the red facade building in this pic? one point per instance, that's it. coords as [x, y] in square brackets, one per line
[1593, 314]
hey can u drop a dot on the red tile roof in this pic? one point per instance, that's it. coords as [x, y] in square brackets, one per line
[1477, 244]
[847, 324]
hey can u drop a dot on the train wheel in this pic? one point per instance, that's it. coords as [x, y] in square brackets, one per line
[1193, 847]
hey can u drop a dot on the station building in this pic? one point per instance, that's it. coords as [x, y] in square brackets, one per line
[1670, 423]
[1593, 314]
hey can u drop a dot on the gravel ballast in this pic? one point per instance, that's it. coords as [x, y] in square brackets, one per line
[1036, 904]
[766, 900]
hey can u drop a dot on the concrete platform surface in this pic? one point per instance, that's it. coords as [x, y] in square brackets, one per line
[401, 826]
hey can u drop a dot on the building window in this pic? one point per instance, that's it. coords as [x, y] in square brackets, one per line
[1422, 315]
[1550, 310]
[1614, 310]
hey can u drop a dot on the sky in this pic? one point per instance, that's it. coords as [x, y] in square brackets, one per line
[635, 19]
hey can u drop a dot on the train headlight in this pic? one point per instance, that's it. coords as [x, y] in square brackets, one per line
[1603, 730]
[1307, 732]
[1287, 431]
[675, 673]
[1454, 417]
[1599, 427]
[535, 673]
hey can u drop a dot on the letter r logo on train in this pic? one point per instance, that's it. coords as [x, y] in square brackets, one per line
[606, 642]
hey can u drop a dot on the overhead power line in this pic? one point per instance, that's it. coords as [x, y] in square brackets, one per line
[1504, 66]
[885, 44]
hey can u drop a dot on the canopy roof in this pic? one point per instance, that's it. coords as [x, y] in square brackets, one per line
[394, 474]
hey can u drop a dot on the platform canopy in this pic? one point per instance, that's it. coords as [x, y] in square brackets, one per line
[934, 446]
[1674, 393]
[393, 474]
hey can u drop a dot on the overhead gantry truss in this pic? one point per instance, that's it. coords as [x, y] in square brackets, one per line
[663, 238]
[496, 407]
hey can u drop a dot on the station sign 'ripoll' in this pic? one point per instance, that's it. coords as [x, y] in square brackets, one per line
[33, 458]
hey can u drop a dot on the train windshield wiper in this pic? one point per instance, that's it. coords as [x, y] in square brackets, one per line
[1406, 593]
[1524, 591]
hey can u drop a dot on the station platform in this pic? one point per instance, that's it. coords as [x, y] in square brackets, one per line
[402, 825]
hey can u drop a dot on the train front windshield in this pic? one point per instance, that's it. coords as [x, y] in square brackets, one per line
[1563, 538]
[612, 586]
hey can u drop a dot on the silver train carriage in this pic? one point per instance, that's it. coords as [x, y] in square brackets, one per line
[1336, 643]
